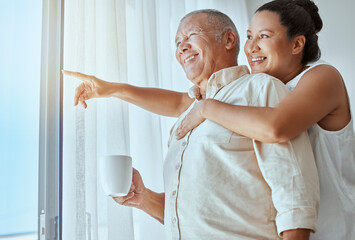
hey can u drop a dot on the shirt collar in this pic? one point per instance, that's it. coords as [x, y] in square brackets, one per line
[223, 77]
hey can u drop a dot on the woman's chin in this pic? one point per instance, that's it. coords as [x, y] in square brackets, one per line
[253, 71]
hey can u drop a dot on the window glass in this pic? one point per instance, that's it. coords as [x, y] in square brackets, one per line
[20, 53]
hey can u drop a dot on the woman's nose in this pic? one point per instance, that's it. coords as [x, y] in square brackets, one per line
[252, 46]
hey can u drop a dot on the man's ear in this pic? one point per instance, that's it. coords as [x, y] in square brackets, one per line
[298, 44]
[230, 39]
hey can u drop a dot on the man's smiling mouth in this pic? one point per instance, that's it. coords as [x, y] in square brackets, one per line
[190, 58]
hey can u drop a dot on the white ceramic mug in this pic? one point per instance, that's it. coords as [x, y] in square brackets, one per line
[116, 174]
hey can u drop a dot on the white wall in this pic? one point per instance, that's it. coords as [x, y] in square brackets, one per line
[337, 38]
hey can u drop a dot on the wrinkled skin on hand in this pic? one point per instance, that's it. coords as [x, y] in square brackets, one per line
[191, 120]
[91, 87]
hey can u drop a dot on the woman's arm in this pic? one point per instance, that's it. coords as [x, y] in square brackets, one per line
[159, 101]
[296, 234]
[320, 96]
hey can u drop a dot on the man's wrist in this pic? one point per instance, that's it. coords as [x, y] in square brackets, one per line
[145, 197]
[153, 204]
[115, 90]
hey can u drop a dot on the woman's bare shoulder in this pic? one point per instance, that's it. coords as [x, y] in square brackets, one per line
[322, 79]
[326, 85]
[324, 72]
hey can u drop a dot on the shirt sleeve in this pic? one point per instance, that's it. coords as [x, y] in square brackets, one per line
[289, 169]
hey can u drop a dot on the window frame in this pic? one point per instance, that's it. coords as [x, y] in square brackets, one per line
[51, 122]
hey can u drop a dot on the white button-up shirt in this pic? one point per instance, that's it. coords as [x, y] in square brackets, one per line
[221, 185]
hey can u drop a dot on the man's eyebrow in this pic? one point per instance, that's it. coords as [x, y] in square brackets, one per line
[191, 29]
[176, 39]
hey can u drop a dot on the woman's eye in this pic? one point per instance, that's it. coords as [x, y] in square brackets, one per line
[249, 37]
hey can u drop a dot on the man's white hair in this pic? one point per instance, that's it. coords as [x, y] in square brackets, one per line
[220, 22]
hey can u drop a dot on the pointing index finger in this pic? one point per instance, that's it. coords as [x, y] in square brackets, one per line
[78, 75]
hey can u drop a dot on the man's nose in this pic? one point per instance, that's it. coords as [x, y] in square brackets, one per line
[184, 46]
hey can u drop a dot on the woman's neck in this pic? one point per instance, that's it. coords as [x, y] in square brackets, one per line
[291, 74]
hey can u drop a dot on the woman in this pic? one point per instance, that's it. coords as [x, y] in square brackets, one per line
[318, 102]
[282, 41]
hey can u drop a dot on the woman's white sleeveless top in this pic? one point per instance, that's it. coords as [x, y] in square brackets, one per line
[334, 152]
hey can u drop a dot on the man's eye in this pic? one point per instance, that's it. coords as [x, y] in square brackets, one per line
[249, 37]
[264, 36]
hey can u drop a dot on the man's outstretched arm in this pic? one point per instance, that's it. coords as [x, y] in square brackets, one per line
[159, 101]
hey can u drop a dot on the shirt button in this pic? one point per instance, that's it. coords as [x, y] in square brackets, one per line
[184, 144]
[174, 193]
[173, 220]
[219, 85]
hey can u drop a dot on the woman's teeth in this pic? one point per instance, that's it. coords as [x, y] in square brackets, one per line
[258, 59]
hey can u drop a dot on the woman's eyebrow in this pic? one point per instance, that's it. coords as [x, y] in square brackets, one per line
[261, 30]
[266, 30]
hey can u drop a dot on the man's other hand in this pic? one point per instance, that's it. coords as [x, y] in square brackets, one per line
[135, 196]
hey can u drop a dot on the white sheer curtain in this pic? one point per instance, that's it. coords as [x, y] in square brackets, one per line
[121, 41]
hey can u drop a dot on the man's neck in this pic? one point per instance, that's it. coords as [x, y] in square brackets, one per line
[204, 83]
[203, 88]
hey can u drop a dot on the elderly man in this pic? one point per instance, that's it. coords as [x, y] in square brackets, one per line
[218, 184]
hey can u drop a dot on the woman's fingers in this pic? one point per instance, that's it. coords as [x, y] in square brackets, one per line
[181, 131]
[190, 121]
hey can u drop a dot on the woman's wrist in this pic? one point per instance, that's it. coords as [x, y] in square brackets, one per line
[205, 108]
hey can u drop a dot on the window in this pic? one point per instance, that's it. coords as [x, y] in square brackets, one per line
[20, 61]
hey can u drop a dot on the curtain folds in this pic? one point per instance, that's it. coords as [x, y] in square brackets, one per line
[129, 41]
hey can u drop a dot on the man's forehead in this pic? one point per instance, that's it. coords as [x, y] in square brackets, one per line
[191, 27]
[194, 23]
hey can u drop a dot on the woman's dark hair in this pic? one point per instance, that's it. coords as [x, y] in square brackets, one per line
[301, 17]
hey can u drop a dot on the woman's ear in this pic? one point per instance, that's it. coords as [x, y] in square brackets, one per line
[298, 44]
[230, 39]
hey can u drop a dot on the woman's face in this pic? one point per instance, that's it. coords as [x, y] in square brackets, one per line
[268, 48]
